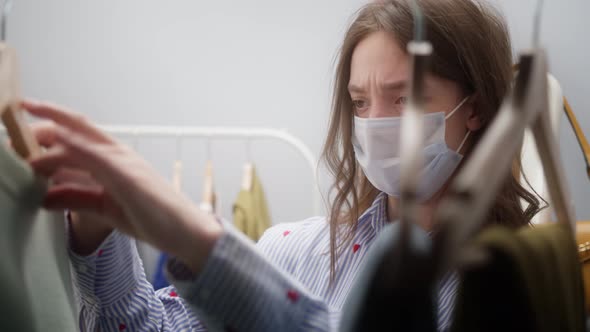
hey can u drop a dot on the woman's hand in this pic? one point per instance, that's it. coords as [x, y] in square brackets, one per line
[94, 174]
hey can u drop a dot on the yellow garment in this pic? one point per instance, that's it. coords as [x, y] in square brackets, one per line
[250, 210]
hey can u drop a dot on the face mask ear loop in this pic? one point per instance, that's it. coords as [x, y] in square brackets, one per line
[457, 108]
[464, 140]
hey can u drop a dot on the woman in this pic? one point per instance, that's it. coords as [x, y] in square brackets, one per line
[299, 274]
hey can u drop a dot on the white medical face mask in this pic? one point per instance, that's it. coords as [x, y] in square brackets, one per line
[376, 144]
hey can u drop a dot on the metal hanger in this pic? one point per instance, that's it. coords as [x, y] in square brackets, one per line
[412, 137]
[464, 209]
[537, 23]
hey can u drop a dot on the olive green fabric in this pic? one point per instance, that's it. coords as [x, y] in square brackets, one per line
[530, 281]
[250, 210]
[36, 291]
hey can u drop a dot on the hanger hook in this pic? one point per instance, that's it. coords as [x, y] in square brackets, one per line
[537, 23]
[419, 28]
[5, 11]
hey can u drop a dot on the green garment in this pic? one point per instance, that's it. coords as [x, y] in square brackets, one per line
[36, 292]
[250, 210]
[530, 281]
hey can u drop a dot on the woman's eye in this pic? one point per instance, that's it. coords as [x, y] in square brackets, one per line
[359, 104]
[402, 100]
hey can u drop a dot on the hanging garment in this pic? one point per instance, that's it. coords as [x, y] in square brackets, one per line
[160, 281]
[530, 281]
[395, 287]
[35, 281]
[159, 278]
[250, 210]
[210, 202]
[583, 240]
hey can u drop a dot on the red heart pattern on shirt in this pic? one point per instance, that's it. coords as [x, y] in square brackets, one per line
[293, 295]
[122, 327]
[173, 294]
[356, 247]
[285, 233]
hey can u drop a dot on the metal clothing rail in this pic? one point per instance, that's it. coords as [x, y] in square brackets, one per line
[220, 133]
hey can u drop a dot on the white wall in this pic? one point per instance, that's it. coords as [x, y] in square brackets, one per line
[240, 63]
[258, 63]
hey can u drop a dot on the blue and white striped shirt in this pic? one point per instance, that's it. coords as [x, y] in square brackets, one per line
[279, 284]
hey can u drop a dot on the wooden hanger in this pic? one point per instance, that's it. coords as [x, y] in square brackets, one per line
[248, 174]
[209, 198]
[177, 176]
[177, 167]
[248, 177]
[22, 139]
[579, 133]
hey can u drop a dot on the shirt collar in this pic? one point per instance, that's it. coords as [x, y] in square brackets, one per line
[376, 215]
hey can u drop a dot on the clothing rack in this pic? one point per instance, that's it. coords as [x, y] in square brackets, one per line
[224, 133]
[227, 133]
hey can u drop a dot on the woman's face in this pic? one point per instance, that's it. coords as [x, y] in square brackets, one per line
[380, 73]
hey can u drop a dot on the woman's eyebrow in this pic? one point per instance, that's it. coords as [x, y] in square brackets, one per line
[396, 85]
[355, 88]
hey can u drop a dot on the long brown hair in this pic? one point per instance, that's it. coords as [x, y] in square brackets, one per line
[472, 48]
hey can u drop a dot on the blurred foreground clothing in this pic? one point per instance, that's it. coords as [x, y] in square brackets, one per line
[530, 281]
[35, 281]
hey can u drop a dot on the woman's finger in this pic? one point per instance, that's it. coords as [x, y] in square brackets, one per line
[70, 175]
[73, 121]
[44, 133]
[71, 150]
[110, 164]
[49, 162]
[81, 198]
[73, 197]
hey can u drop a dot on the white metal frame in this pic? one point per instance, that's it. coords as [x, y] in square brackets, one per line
[221, 133]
